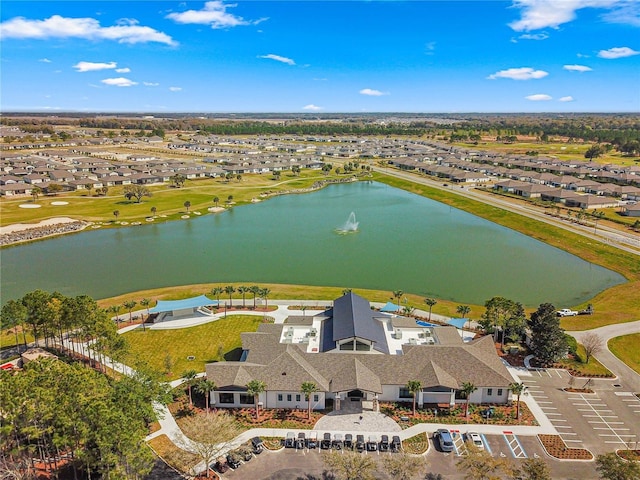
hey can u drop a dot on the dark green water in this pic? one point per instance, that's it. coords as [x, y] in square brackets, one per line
[404, 242]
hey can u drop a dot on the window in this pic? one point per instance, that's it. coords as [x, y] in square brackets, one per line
[405, 393]
[246, 399]
[363, 347]
[288, 397]
[297, 397]
[226, 398]
[489, 391]
[279, 397]
[316, 398]
[347, 345]
[499, 392]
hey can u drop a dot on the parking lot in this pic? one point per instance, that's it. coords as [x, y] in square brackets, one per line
[602, 421]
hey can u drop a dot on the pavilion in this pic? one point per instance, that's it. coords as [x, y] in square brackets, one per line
[169, 310]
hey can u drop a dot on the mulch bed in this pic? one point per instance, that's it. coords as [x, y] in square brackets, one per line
[502, 414]
[629, 455]
[578, 390]
[555, 447]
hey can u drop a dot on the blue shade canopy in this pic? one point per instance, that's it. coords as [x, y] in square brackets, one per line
[457, 322]
[390, 307]
[172, 305]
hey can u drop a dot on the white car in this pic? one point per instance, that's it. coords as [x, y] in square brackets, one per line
[475, 438]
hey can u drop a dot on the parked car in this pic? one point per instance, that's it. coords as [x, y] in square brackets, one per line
[444, 439]
[258, 446]
[396, 444]
[290, 440]
[372, 443]
[384, 443]
[300, 441]
[566, 312]
[325, 444]
[360, 446]
[233, 460]
[245, 454]
[221, 465]
[475, 438]
[337, 441]
[348, 441]
[312, 441]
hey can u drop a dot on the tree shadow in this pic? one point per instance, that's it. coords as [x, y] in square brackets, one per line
[325, 476]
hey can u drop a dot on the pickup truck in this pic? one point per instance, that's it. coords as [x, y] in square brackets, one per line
[565, 312]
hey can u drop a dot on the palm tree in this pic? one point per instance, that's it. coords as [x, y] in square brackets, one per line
[145, 302]
[346, 291]
[467, 389]
[517, 389]
[414, 386]
[308, 388]
[216, 292]
[229, 290]
[216, 201]
[463, 311]
[153, 210]
[431, 302]
[255, 290]
[255, 388]
[264, 293]
[397, 294]
[230, 199]
[243, 290]
[116, 213]
[188, 377]
[187, 205]
[204, 387]
[129, 306]
[35, 192]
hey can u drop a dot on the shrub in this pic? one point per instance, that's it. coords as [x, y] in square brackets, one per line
[572, 344]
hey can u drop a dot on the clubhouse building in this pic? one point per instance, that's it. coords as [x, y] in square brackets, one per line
[356, 354]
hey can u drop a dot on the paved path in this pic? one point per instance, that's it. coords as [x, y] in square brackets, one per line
[626, 374]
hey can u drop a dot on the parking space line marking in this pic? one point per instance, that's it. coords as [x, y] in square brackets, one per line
[552, 413]
[568, 433]
[571, 441]
[563, 426]
[624, 443]
[624, 394]
[486, 444]
[557, 420]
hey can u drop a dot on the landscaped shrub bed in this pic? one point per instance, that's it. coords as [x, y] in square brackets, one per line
[578, 390]
[502, 414]
[272, 443]
[555, 446]
[275, 418]
[416, 445]
[630, 455]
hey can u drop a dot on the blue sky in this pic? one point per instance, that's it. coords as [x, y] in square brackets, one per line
[327, 56]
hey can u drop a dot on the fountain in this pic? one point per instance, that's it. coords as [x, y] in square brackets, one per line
[350, 226]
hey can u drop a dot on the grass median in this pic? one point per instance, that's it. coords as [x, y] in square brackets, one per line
[626, 349]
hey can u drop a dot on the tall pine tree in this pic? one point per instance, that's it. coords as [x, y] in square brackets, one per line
[548, 342]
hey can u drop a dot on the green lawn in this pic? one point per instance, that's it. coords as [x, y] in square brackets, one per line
[205, 342]
[626, 349]
[594, 367]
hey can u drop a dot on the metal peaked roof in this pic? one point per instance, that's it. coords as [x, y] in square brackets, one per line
[353, 317]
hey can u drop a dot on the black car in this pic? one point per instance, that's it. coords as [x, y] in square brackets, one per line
[300, 441]
[290, 440]
[221, 465]
[384, 443]
[396, 444]
[258, 446]
[245, 454]
[233, 460]
[372, 443]
[337, 441]
[325, 444]
[348, 441]
[360, 446]
[312, 441]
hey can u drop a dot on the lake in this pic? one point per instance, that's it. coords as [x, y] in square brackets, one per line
[403, 242]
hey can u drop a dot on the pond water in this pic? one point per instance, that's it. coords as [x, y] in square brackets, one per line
[401, 241]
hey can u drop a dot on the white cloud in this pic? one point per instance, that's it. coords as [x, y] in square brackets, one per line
[577, 68]
[430, 48]
[278, 58]
[150, 84]
[44, 60]
[94, 66]
[534, 36]
[119, 82]
[57, 26]
[538, 97]
[313, 107]
[213, 14]
[522, 73]
[568, 98]
[372, 93]
[175, 89]
[617, 52]
[123, 70]
[537, 14]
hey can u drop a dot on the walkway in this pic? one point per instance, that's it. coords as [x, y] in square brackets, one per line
[608, 359]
